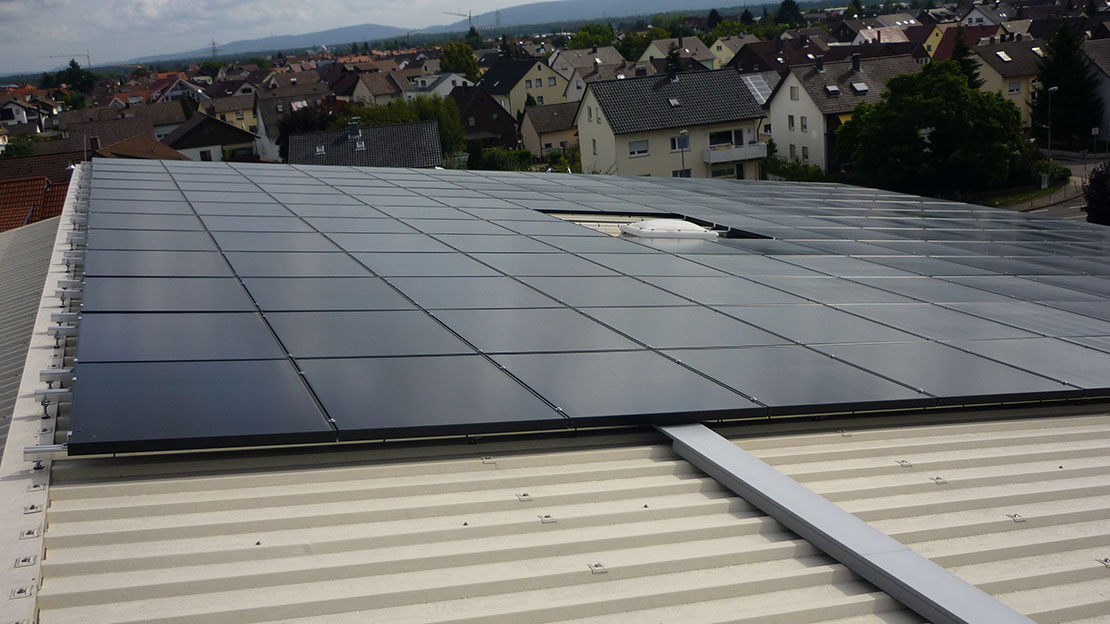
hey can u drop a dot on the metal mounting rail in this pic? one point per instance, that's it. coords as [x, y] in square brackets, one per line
[921, 585]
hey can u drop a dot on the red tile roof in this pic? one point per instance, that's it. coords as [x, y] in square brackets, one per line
[28, 200]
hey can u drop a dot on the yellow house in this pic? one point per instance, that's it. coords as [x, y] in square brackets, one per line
[549, 127]
[724, 48]
[700, 125]
[1011, 69]
[237, 110]
[688, 47]
[511, 82]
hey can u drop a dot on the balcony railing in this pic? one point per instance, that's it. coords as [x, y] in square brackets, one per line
[732, 153]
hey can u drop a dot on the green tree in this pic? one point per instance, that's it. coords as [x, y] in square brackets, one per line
[790, 14]
[77, 78]
[854, 10]
[529, 101]
[932, 134]
[19, 146]
[443, 111]
[308, 119]
[210, 69]
[713, 19]
[459, 58]
[592, 35]
[1076, 105]
[674, 59]
[1097, 193]
[746, 17]
[508, 50]
[262, 63]
[1091, 9]
[966, 59]
[474, 39]
[633, 45]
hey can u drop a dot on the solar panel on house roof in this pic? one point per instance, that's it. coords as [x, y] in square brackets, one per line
[277, 304]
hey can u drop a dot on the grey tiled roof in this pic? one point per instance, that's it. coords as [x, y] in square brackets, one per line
[402, 145]
[504, 75]
[645, 104]
[1023, 61]
[875, 73]
[1098, 50]
[552, 117]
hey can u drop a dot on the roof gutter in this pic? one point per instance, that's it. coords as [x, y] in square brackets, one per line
[921, 585]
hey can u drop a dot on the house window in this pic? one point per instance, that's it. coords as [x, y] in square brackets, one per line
[578, 84]
[790, 123]
[766, 128]
[718, 48]
[589, 114]
[680, 173]
[239, 115]
[720, 138]
[551, 81]
[1014, 88]
[805, 153]
[223, 117]
[794, 93]
[206, 155]
[280, 108]
[528, 83]
[539, 100]
[594, 141]
[723, 172]
[638, 148]
[360, 146]
[320, 150]
[254, 129]
[793, 152]
[494, 117]
[805, 126]
[680, 143]
[547, 146]
[471, 121]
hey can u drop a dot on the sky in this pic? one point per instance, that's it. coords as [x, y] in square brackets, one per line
[116, 30]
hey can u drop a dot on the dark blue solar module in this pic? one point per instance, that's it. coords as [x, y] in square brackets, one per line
[229, 305]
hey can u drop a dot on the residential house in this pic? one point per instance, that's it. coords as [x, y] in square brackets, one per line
[143, 147]
[273, 104]
[54, 167]
[812, 101]
[511, 82]
[401, 145]
[1098, 50]
[15, 111]
[175, 87]
[436, 85]
[89, 136]
[29, 200]
[237, 110]
[484, 119]
[899, 20]
[164, 116]
[988, 13]
[688, 48]
[848, 30]
[566, 61]
[1010, 68]
[208, 139]
[3, 139]
[782, 54]
[374, 87]
[549, 127]
[697, 124]
[724, 48]
[973, 36]
[576, 84]
[229, 88]
[882, 34]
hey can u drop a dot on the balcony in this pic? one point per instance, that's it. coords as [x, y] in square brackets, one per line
[733, 153]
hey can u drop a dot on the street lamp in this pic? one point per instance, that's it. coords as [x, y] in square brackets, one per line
[684, 142]
[1051, 90]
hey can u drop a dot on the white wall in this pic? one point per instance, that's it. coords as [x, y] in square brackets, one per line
[781, 108]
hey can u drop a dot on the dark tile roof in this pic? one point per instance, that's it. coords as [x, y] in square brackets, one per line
[1098, 50]
[1023, 61]
[52, 166]
[29, 200]
[972, 35]
[873, 72]
[108, 131]
[502, 76]
[202, 130]
[584, 58]
[228, 104]
[552, 117]
[401, 145]
[645, 104]
[688, 47]
[142, 146]
[285, 98]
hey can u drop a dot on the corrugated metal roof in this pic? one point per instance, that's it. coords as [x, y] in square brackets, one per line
[442, 534]
[370, 536]
[24, 259]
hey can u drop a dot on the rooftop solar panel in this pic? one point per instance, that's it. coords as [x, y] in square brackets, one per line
[268, 304]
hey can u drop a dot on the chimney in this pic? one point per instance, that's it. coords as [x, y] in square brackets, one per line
[595, 50]
[820, 58]
[992, 39]
[804, 38]
[878, 36]
[1017, 36]
[354, 129]
[855, 62]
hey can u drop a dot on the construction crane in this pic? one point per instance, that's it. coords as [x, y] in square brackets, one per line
[88, 59]
[469, 24]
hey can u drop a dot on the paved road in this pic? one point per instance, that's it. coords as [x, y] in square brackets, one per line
[1072, 207]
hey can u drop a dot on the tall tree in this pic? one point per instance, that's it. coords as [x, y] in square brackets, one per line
[592, 35]
[474, 39]
[932, 134]
[790, 14]
[1097, 193]
[674, 59]
[459, 58]
[966, 59]
[714, 19]
[854, 10]
[308, 119]
[746, 17]
[1091, 8]
[1076, 105]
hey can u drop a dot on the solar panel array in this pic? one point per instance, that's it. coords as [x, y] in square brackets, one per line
[247, 304]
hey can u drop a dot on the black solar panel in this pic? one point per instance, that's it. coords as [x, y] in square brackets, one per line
[230, 305]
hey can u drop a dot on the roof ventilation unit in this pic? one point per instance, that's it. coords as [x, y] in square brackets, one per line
[666, 228]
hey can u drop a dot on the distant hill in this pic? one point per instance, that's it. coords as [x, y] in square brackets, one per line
[558, 10]
[288, 43]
